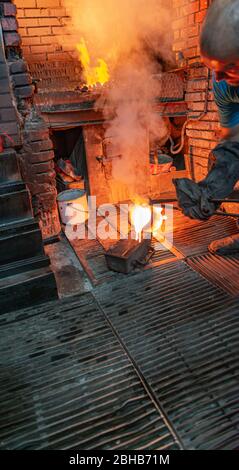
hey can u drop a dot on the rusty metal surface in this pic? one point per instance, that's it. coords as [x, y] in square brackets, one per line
[223, 271]
[192, 237]
[128, 254]
[67, 383]
[182, 333]
[172, 86]
[67, 106]
[92, 256]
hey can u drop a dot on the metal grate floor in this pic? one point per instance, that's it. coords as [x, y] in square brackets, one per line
[91, 255]
[192, 237]
[66, 383]
[182, 333]
[221, 271]
[146, 361]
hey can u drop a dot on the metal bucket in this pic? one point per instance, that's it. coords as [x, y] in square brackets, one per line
[73, 206]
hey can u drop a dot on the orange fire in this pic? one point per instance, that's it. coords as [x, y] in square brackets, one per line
[93, 75]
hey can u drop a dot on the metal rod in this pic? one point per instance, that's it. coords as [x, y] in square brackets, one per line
[171, 199]
[162, 200]
[227, 214]
[224, 200]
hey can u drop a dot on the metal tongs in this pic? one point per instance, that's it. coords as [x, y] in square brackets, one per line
[227, 214]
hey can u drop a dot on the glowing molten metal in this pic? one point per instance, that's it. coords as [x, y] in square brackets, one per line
[93, 75]
[140, 217]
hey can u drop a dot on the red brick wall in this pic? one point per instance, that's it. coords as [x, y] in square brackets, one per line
[41, 24]
[203, 134]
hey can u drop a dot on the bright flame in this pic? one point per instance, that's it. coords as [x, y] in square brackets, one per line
[93, 75]
[140, 217]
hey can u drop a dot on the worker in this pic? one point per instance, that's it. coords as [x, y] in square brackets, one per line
[219, 46]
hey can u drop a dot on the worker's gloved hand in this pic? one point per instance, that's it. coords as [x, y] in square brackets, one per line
[195, 198]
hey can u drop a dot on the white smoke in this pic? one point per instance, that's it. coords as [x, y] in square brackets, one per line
[132, 36]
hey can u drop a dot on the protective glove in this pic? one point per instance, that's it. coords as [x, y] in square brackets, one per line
[195, 198]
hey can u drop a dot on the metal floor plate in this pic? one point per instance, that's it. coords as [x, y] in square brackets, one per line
[192, 237]
[182, 333]
[223, 271]
[67, 383]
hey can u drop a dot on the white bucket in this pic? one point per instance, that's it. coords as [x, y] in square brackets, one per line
[73, 206]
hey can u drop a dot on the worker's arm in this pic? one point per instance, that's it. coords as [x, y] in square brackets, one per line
[227, 101]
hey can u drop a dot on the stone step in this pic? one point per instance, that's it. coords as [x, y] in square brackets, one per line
[20, 226]
[27, 289]
[14, 206]
[9, 170]
[12, 187]
[21, 266]
[19, 246]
